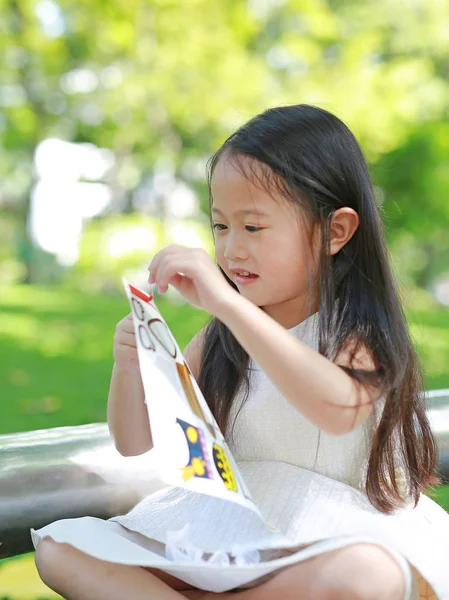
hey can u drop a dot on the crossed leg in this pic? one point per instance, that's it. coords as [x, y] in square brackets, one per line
[357, 572]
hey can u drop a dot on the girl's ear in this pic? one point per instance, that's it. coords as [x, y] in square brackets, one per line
[344, 224]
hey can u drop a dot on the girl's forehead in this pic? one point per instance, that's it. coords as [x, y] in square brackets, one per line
[231, 172]
[243, 185]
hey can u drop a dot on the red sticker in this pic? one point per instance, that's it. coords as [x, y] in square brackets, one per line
[142, 295]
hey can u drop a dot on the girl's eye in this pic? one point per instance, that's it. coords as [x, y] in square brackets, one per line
[250, 228]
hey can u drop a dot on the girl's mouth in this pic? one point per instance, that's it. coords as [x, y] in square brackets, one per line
[245, 278]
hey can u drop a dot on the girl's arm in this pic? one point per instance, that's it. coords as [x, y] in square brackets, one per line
[193, 351]
[322, 391]
[316, 386]
[127, 413]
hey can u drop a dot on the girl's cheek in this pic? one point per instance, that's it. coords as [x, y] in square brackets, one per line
[219, 246]
[219, 256]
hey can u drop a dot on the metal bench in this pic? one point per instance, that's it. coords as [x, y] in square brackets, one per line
[70, 472]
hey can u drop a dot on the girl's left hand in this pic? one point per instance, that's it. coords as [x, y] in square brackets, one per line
[194, 274]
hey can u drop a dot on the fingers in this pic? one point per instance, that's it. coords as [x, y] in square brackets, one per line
[124, 332]
[126, 324]
[172, 261]
[155, 264]
[123, 338]
[125, 345]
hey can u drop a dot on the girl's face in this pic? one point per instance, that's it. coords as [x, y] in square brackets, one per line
[262, 233]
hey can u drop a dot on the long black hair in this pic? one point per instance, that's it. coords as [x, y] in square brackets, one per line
[313, 158]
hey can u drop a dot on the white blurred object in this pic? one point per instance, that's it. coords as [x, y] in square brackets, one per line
[60, 160]
[57, 213]
[60, 203]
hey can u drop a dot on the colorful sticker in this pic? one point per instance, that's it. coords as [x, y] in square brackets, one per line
[198, 465]
[224, 467]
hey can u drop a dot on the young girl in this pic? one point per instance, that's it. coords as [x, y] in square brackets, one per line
[307, 366]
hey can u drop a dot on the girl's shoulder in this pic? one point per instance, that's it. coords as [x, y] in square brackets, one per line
[193, 351]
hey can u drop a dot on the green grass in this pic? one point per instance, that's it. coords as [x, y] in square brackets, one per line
[56, 354]
[19, 580]
[429, 326]
[442, 496]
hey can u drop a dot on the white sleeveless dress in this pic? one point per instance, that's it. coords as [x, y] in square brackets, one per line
[307, 484]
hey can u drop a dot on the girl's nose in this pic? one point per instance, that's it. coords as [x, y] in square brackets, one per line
[235, 248]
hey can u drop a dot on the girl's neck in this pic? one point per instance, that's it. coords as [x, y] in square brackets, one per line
[304, 322]
[291, 316]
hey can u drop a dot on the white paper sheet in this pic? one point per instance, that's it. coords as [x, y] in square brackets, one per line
[188, 442]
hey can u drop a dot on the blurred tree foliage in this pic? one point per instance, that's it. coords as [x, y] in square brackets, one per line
[166, 80]
[122, 245]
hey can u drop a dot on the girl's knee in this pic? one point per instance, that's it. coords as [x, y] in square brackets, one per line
[357, 572]
[49, 559]
[363, 572]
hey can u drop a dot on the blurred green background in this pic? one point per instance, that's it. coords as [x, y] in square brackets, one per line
[108, 113]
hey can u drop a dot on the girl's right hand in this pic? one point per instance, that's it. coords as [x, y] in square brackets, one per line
[125, 346]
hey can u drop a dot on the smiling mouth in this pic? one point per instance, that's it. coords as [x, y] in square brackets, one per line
[245, 278]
